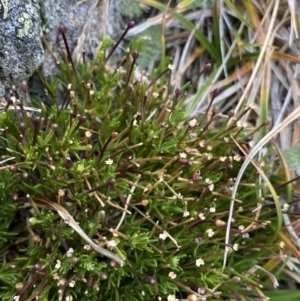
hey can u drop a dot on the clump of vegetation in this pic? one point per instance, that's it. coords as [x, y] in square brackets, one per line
[148, 186]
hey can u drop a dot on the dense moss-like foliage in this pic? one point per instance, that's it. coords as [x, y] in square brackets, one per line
[119, 155]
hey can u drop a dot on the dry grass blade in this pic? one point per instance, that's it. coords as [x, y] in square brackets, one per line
[261, 56]
[293, 116]
[69, 220]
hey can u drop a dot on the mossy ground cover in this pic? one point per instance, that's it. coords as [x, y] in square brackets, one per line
[119, 154]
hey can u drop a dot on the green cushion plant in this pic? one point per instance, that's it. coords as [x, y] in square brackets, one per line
[149, 184]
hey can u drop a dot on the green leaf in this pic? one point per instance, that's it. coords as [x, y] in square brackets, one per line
[286, 295]
[213, 51]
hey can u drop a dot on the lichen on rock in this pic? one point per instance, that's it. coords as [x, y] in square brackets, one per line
[21, 49]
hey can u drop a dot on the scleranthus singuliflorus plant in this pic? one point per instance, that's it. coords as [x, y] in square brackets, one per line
[143, 180]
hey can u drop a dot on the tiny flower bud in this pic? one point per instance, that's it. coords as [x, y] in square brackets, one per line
[189, 162]
[62, 29]
[130, 24]
[74, 260]
[216, 92]
[207, 68]
[111, 182]
[19, 285]
[114, 134]
[229, 167]
[24, 87]
[196, 177]
[219, 223]
[135, 55]
[14, 196]
[103, 276]
[151, 280]
[13, 168]
[178, 92]
[230, 113]
[192, 297]
[22, 127]
[36, 120]
[201, 291]
[96, 287]
[82, 119]
[54, 127]
[113, 264]
[24, 176]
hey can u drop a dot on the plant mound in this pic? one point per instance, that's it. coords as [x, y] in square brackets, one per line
[114, 193]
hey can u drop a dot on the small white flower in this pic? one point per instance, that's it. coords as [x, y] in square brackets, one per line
[239, 124]
[72, 283]
[163, 235]
[171, 67]
[199, 262]
[58, 264]
[241, 227]
[109, 161]
[61, 282]
[172, 298]
[210, 232]
[202, 143]
[209, 148]
[193, 123]
[212, 209]
[208, 181]
[16, 298]
[70, 252]
[228, 249]
[201, 216]
[209, 156]
[282, 244]
[56, 276]
[211, 187]
[251, 143]
[112, 244]
[222, 159]
[19, 285]
[172, 275]
[246, 235]
[179, 196]
[69, 298]
[186, 213]
[182, 155]
[226, 139]
[285, 206]
[235, 247]
[87, 247]
[237, 158]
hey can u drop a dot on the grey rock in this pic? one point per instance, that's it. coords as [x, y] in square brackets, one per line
[21, 49]
[85, 20]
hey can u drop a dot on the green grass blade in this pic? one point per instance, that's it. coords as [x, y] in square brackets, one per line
[213, 51]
